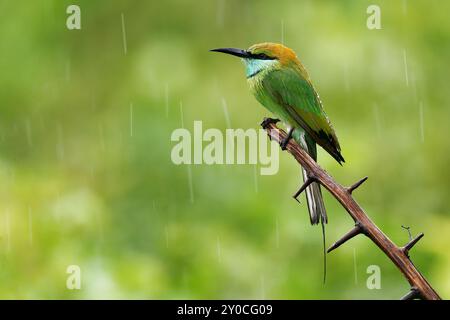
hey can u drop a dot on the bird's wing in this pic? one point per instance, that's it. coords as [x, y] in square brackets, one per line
[288, 88]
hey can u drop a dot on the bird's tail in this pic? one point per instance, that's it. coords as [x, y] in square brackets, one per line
[317, 212]
[316, 207]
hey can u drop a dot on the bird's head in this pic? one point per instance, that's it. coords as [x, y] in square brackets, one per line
[262, 57]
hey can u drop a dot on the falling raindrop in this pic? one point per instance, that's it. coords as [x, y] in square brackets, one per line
[227, 114]
[282, 31]
[191, 186]
[405, 7]
[406, 67]
[124, 35]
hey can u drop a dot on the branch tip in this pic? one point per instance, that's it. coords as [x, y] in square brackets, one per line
[356, 185]
[357, 229]
[411, 244]
[308, 181]
[414, 293]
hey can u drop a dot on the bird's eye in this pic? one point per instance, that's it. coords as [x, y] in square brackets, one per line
[263, 56]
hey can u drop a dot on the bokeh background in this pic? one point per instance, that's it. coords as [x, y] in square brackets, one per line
[85, 169]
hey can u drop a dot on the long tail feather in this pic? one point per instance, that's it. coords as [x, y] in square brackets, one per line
[324, 253]
[316, 207]
[317, 213]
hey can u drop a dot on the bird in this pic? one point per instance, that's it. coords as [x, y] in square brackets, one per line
[280, 82]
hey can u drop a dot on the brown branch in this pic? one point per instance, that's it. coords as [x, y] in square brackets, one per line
[420, 288]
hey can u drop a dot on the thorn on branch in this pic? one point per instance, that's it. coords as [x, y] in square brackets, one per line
[308, 181]
[412, 294]
[357, 229]
[356, 185]
[411, 244]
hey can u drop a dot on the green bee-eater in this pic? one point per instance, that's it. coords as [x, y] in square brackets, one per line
[281, 84]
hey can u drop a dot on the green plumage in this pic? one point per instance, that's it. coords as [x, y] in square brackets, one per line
[289, 94]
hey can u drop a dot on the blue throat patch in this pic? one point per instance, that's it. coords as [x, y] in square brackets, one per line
[255, 66]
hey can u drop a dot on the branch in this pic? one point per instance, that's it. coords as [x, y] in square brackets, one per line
[399, 256]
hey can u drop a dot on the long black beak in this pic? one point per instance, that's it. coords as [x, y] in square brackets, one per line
[233, 51]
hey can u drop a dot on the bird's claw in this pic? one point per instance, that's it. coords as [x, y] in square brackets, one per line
[285, 141]
[265, 123]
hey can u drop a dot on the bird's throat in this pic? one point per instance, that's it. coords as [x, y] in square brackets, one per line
[255, 66]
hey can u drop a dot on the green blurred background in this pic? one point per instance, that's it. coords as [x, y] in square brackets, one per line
[87, 179]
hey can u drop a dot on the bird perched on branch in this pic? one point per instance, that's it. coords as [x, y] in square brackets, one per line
[280, 83]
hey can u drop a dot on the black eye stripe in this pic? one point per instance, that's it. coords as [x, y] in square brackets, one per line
[261, 56]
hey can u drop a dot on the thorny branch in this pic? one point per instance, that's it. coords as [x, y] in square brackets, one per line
[420, 288]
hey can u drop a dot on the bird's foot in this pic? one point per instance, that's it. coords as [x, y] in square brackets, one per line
[265, 123]
[285, 141]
